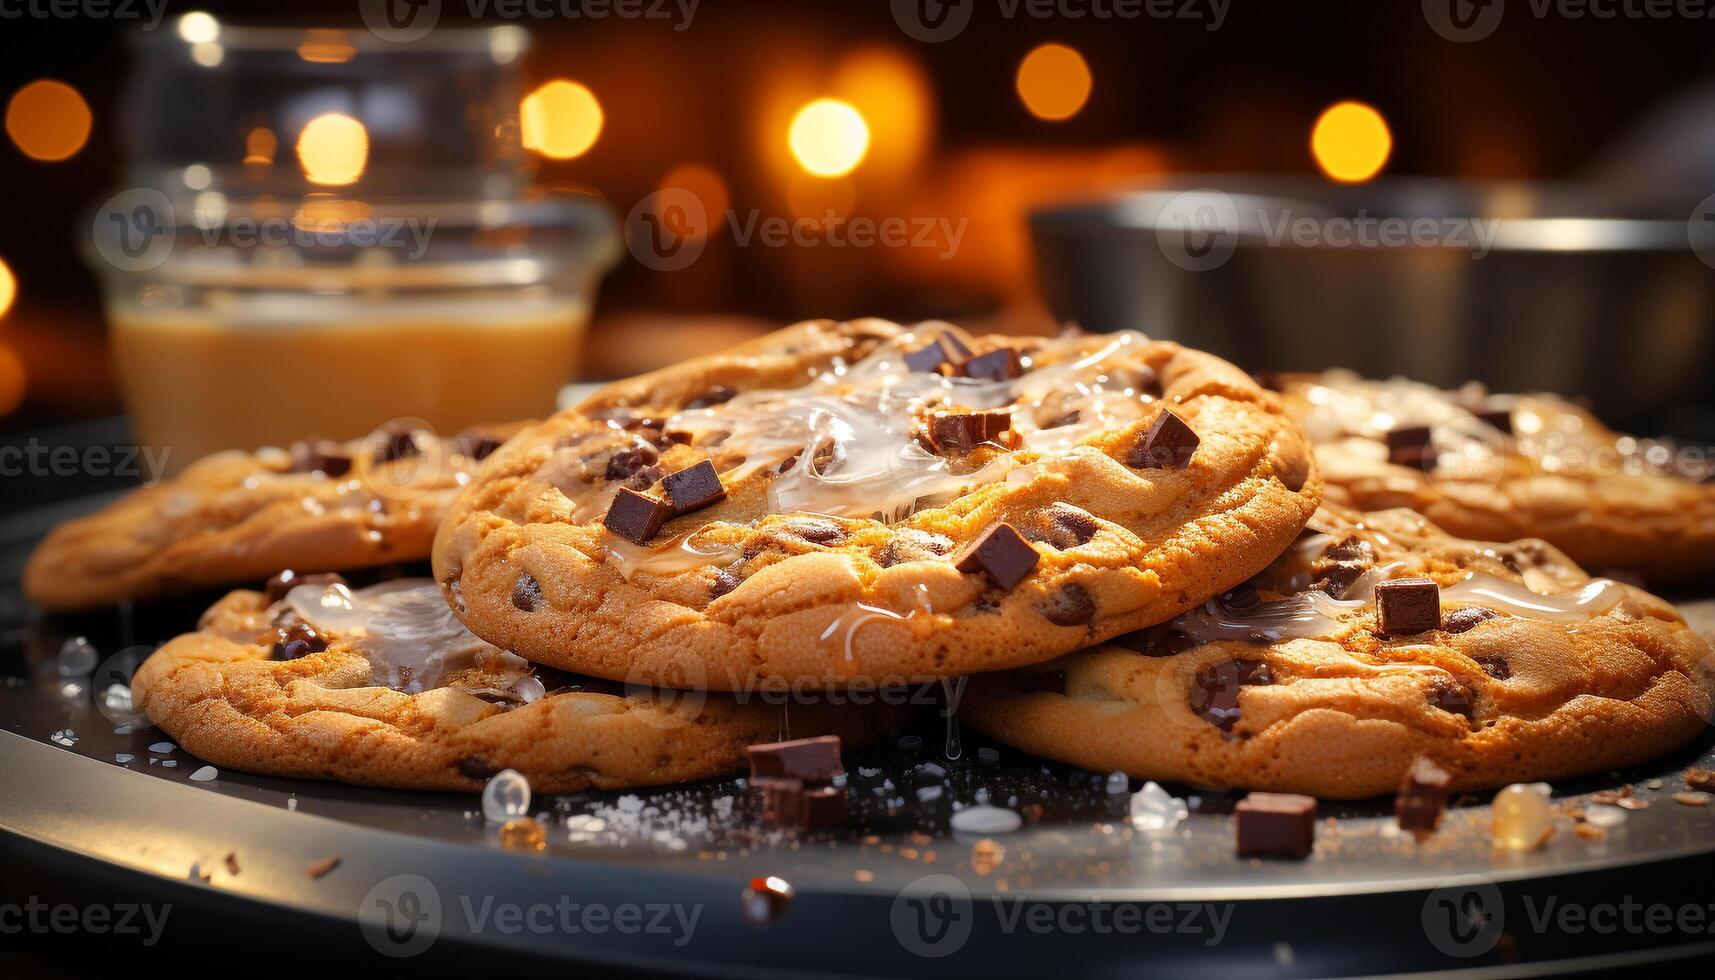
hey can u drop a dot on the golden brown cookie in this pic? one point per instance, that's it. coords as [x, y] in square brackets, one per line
[1500, 467]
[384, 687]
[1535, 671]
[242, 516]
[859, 502]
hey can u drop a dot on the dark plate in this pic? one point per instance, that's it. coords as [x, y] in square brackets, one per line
[659, 887]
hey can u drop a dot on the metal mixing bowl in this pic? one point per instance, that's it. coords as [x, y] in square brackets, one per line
[1522, 286]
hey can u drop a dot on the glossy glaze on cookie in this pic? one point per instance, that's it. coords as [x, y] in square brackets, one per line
[852, 483]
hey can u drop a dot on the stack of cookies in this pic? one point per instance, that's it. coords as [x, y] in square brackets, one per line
[1123, 544]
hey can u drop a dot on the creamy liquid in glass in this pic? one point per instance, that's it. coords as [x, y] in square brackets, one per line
[268, 369]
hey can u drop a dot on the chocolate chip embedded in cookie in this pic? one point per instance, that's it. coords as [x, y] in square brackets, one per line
[383, 687]
[1284, 687]
[878, 503]
[317, 506]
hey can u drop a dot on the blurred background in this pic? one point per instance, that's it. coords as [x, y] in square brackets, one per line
[767, 162]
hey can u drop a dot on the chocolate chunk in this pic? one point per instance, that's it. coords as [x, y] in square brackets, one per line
[527, 594]
[297, 640]
[1141, 379]
[1422, 796]
[1002, 554]
[634, 517]
[1407, 437]
[725, 581]
[1495, 665]
[1352, 548]
[1168, 444]
[477, 443]
[1405, 606]
[782, 801]
[1215, 692]
[319, 456]
[1000, 364]
[1062, 526]
[816, 530]
[1275, 825]
[1449, 697]
[1155, 641]
[714, 396]
[397, 443]
[1461, 620]
[1425, 458]
[693, 488]
[1241, 598]
[958, 434]
[288, 580]
[629, 462]
[476, 767]
[824, 807]
[1339, 578]
[808, 760]
[789, 462]
[1072, 605]
[645, 478]
[928, 358]
[910, 545]
[1500, 418]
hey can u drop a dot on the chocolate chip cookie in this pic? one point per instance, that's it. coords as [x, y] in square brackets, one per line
[1375, 639]
[1500, 467]
[382, 686]
[862, 502]
[242, 516]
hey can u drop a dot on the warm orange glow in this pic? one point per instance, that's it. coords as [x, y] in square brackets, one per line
[561, 120]
[323, 46]
[1054, 82]
[892, 92]
[48, 120]
[333, 149]
[815, 197]
[1351, 142]
[11, 380]
[708, 187]
[828, 137]
[8, 287]
[259, 146]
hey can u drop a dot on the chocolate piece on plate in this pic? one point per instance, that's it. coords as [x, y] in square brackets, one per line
[635, 517]
[1500, 418]
[944, 351]
[1000, 364]
[782, 801]
[319, 456]
[1168, 443]
[810, 760]
[823, 807]
[958, 434]
[1407, 605]
[1002, 554]
[1275, 825]
[693, 488]
[1422, 796]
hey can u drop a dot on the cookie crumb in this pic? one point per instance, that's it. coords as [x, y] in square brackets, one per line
[1691, 799]
[232, 863]
[324, 866]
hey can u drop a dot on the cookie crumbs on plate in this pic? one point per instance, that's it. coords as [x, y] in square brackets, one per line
[321, 868]
[1691, 799]
[232, 863]
[1700, 779]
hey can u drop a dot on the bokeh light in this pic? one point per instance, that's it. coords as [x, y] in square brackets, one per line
[561, 120]
[48, 120]
[333, 149]
[828, 137]
[892, 91]
[1054, 82]
[259, 145]
[1351, 142]
[11, 380]
[199, 27]
[8, 287]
